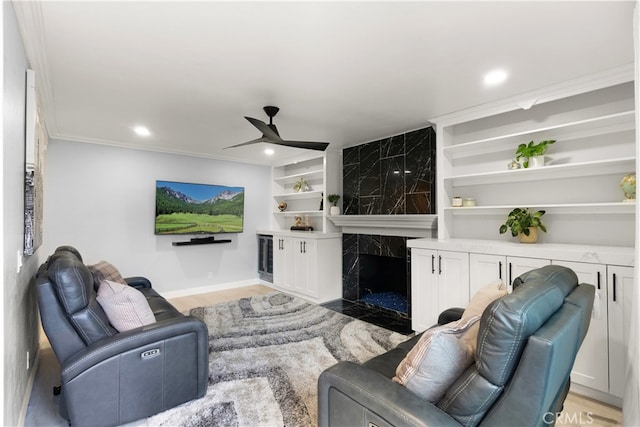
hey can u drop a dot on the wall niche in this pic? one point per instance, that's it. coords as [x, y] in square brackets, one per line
[391, 176]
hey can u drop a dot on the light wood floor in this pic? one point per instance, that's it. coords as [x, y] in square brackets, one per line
[210, 298]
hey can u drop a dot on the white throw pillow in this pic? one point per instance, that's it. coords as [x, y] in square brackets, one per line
[125, 307]
[437, 360]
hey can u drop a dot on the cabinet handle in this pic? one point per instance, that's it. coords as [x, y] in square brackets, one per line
[433, 264]
[510, 281]
[500, 270]
[598, 280]
[439, 264]
[304, 246]
[300, 247]
[614, 287]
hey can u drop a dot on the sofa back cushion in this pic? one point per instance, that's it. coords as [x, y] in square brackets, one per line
[73, 283]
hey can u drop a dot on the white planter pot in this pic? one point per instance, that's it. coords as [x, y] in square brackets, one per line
[536, 162]
[335, 210]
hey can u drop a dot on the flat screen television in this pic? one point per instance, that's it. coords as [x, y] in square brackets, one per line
[188, 208]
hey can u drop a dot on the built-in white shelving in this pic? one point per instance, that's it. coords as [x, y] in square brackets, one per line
[310, 175]
[568, 208]
[567, 170]
[321, 173]
[578, 187]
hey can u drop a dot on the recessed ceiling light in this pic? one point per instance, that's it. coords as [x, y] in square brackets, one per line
[269, 151]
[495, 77]
[141, 131]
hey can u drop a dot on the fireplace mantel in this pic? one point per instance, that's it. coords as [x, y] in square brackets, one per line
[388, 225]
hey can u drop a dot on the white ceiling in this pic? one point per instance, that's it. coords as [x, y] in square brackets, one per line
[341, 72]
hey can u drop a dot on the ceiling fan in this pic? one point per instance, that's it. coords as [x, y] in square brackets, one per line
[270, 134]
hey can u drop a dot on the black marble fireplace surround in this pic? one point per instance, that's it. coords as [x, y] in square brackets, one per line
[374, 264]
[391, 176]
[376, 281]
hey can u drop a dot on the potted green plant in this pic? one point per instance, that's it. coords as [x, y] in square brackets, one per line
[333, 199]
[524, 224]
[532, 153]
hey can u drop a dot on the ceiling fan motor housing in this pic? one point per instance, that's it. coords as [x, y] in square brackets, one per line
[271, 111]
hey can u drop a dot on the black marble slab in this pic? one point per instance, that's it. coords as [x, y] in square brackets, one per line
[391, 176]
[380, 317]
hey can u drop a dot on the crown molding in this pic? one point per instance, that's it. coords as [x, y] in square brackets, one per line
[528, 99]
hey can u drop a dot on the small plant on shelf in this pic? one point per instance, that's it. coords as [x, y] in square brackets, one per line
[527, 151]
[524, 224]
[333, 199]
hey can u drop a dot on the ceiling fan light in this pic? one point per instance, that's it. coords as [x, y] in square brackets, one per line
[269, 151]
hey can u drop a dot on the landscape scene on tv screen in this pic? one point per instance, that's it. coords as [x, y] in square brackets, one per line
[186, 208]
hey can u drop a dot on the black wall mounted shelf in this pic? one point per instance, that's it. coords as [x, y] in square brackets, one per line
[201, 241]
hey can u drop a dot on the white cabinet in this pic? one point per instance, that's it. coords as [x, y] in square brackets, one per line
[282, 257]
[600, 363]
[486, 268]
[308, 265]
[304, 266]
[620, 289]
[591, 367]
[321, 173]
[579, 184]
[599, 370]
[439, 280]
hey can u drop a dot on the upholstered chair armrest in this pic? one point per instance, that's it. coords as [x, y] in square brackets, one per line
[351, 394]
[135, 339]
[138, 282]
[164, 364]
[450, 315]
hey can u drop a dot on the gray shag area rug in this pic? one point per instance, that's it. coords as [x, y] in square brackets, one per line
[265, 356]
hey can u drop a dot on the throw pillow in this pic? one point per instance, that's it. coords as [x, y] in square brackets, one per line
[125, 307]
[105, 271]
[437, 360]
[485, 296]
[479, 302]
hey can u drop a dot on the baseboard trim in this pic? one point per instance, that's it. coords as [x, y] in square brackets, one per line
[596, 395]
[30, 382]
[211, 288]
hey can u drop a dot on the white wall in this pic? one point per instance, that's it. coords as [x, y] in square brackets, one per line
[19, 319]
[101, 200]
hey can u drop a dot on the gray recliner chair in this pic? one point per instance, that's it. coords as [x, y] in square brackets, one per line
[110, 377]
[527, 344]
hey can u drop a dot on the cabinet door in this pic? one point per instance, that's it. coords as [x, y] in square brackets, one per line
[453, 280]
[298, 265]
[424, 282]
[619, 288]
[591, 367]
[485, 269]
[279, 262]
[519, 265]
[309, 255]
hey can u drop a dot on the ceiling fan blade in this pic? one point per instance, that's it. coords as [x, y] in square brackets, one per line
[309, 145]
[253, 141]
[267, 132]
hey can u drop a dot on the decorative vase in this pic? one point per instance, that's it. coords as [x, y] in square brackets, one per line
[628, 185]
[531, 238]
[335, 210]
[536, 161]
